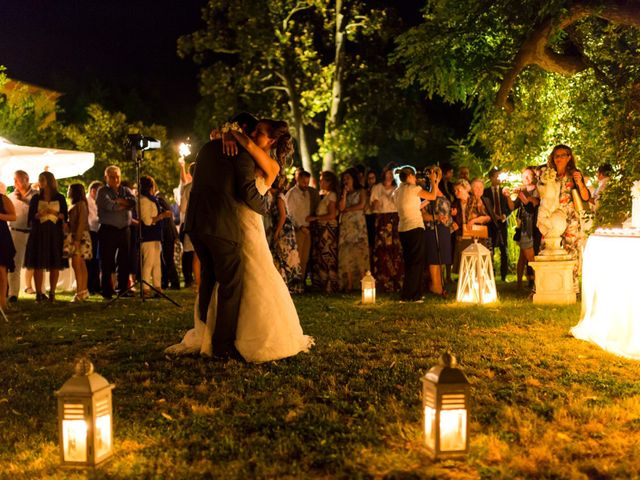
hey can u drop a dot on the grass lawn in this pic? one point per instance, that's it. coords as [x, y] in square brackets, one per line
[544, 405]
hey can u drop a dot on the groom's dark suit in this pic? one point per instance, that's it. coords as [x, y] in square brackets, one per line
[220, 185]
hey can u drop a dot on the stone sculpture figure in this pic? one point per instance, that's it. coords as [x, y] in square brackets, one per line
[552, 220]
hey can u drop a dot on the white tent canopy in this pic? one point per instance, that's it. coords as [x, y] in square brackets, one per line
[34, 160]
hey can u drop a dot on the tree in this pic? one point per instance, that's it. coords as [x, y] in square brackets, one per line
[23, 118]
[104, 133]
[289, 58]
[537, 74]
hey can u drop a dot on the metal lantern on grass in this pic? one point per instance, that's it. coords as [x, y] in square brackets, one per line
[477, 283]
[368, 289]
[85, 418]
[445, 405]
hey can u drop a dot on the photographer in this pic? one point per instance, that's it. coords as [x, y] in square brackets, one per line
[411, 227]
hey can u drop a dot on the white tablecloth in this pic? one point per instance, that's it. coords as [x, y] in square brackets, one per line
[610, 314]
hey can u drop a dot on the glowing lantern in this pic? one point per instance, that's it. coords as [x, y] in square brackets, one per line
[445, 405]
[85, 418]
[368, 289]
[477, 283]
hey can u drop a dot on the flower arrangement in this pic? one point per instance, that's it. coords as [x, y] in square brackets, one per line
[548, 175]
[635, 190]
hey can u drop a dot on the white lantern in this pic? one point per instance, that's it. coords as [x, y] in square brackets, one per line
[477, 283]
[445, 405]
[368, 289]
[85, 418]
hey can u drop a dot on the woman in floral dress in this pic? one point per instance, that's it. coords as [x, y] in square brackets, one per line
[282, 239]
[324, 227]
[573, 238]
[437, 218]
[80, 248]
[353, 247]
[388, 268]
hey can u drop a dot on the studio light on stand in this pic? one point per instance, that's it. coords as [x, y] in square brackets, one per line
[136, 145]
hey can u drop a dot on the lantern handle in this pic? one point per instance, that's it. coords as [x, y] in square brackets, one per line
[447, 359]
[83, 367]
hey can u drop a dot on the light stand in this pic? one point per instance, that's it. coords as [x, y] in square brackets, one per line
[139, 157]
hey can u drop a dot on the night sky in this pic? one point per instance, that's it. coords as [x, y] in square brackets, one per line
[126, 46]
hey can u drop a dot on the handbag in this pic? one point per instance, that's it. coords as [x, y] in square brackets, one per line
[517, 235]
[477, 231]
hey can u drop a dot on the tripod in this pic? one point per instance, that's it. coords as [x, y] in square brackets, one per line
[138, 156]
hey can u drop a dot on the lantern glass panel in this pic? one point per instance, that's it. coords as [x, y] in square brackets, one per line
[430, 427]
[74, 438]
[453, 430]
[369, 295]
[103, 435]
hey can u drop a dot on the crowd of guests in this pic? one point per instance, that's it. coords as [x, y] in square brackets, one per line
[94, 232]
[407, 227]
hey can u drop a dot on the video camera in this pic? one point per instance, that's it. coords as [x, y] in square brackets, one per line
[422, 179]
[137, 142]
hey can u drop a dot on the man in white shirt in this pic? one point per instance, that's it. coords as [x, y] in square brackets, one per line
[20, 197]
[93, 265]
[301, 201]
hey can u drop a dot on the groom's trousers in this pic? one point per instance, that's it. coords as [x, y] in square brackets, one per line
[221, 262]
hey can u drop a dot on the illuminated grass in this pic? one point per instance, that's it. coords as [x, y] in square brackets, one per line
[543, 405]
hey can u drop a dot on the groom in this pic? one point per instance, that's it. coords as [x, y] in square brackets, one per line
[220, 184]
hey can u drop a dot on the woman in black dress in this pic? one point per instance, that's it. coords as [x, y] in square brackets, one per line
[7, 249]
[47, 215]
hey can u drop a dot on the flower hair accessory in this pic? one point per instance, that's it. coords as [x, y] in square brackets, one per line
[230, 127]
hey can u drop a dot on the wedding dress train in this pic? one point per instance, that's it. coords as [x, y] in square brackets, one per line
[268, 324]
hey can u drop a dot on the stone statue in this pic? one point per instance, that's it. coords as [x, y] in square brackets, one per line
[552, 219]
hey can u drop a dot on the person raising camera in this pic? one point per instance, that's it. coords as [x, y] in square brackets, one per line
[408, 198]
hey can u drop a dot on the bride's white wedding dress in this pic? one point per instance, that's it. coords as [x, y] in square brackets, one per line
[268, 324]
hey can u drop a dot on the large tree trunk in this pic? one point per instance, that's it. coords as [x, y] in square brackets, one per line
[298, 122]
[535, 49]
[331, 123]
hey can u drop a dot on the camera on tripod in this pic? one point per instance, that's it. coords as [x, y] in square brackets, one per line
[137, 142]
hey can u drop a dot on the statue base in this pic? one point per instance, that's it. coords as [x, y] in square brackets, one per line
[554, 279]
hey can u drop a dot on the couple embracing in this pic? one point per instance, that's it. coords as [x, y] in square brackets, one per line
[243, 307]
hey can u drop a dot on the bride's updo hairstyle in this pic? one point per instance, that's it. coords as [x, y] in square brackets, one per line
[283, 146]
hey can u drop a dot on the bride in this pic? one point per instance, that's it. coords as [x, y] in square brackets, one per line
[268, 324]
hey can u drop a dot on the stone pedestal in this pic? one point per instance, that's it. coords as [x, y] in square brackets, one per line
[554, 280]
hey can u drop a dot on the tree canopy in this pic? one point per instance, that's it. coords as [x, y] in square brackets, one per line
[320, 64]
[537, 74]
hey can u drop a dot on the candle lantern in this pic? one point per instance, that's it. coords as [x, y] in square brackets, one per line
[477, 283]
[85, 419]
[445, 404]
[368, 289]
